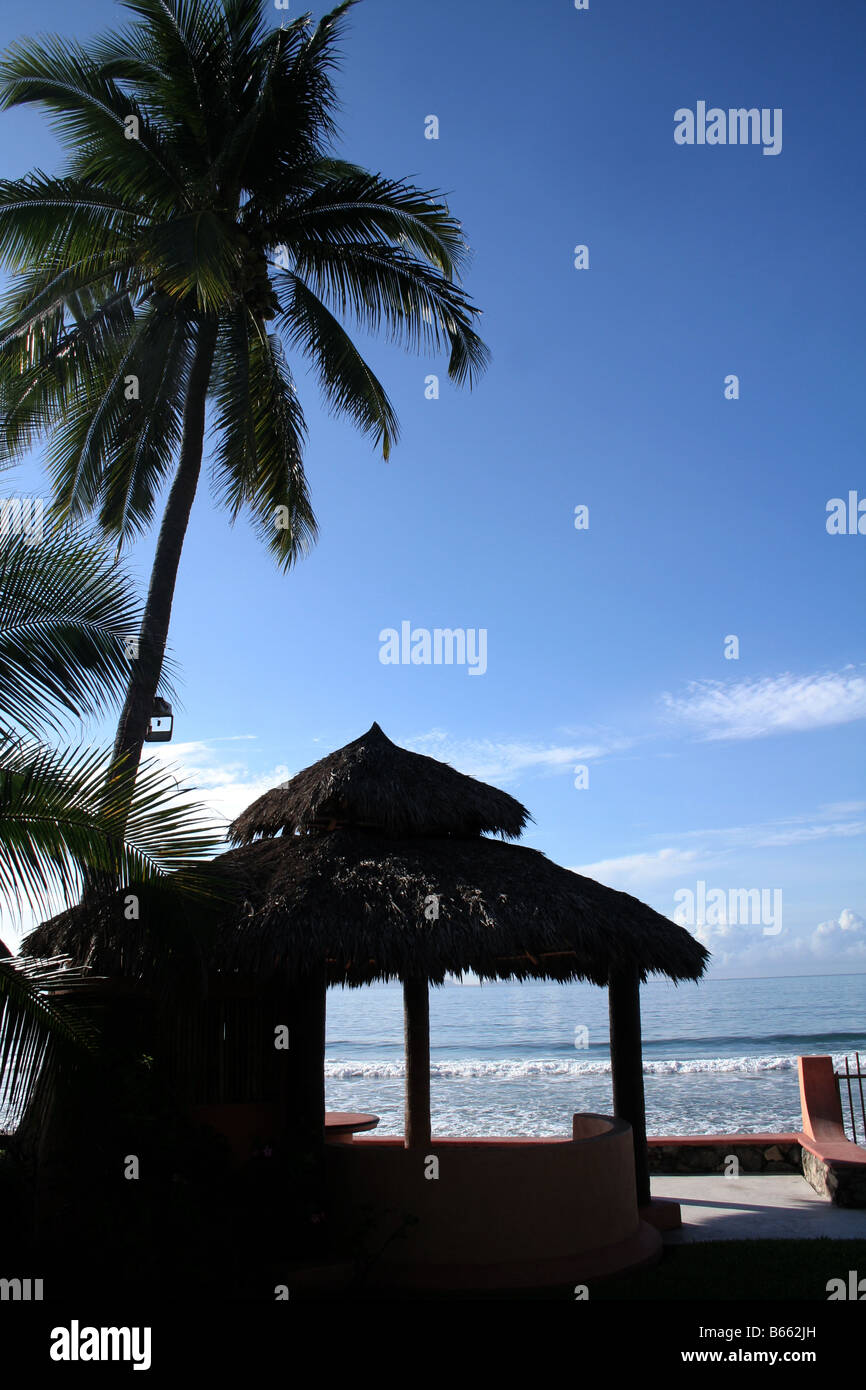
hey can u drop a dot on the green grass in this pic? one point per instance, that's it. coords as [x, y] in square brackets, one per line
[754, 1271]
[740, 1269]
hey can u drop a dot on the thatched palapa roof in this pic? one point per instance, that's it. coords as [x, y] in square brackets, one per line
[383, 909]
[393, 878]
[374, 782]
[373, 908]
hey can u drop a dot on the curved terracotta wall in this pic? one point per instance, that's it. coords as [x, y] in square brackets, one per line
[517, 1204]
[832, 1164]
[819, 1100]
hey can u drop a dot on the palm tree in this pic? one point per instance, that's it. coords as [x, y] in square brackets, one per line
[202, 231]
[65, 613]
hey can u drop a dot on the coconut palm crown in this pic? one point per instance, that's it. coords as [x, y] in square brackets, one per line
[202, 232]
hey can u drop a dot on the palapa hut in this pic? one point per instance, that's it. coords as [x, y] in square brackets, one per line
[376, 864]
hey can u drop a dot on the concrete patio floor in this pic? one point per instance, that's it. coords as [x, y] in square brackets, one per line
[755, 1207]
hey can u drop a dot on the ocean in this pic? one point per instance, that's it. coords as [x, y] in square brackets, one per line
[509, 1059]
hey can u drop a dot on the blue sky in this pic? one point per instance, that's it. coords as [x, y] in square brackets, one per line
[605, 646]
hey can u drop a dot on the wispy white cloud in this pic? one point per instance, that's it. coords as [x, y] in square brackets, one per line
[689, 852]
[790, 830]
[502, 761]
[788, 834]
[636, 873]
[225, 784]
[841, 808]
[787, 703]
[709, 710]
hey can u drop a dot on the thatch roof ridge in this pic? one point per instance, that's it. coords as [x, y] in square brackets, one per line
[372, 781]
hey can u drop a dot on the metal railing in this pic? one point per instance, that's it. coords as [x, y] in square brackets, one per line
[852, 1099]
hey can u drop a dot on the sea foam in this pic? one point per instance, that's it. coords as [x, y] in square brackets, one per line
[505, 1069]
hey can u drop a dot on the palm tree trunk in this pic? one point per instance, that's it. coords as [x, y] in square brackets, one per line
[144, 678]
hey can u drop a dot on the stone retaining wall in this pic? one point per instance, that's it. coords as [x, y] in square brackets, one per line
[763, 1153]
[837, 1172]
[844, 1183]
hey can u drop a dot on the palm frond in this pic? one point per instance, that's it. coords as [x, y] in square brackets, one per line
[90, 112]
[260, 429]
[45, 219]
[68, 815]
[349, 384]
[346, 205]
[45, 1028]
[123, 424]
[144, 455]
[66, 614]
[384, 288]
[194, 256]
[59, 352]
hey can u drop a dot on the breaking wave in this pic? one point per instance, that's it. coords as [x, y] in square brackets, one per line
[519, 1068]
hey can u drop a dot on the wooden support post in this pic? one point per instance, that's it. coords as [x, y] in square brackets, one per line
[416, 1020]
[304, 1088]
[626, 1065]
